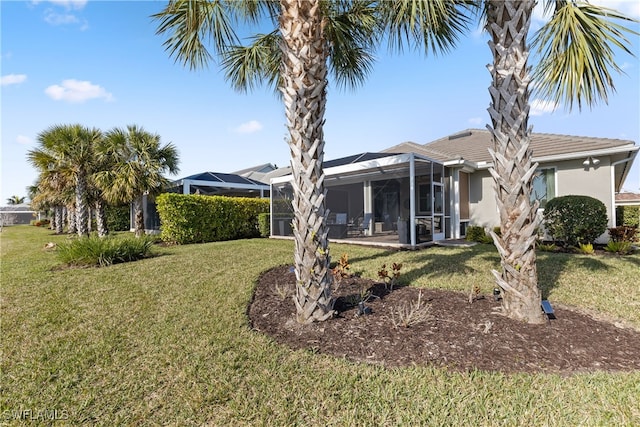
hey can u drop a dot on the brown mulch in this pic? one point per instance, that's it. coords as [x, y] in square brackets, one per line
[457, 334]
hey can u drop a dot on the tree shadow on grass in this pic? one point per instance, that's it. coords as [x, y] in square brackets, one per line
[454, 261]
[460, 261]
[551, 266]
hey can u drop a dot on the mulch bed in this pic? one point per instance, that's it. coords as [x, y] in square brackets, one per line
[457, 334]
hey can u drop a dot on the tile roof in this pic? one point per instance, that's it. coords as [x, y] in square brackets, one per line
[627, 197]
[473, 144]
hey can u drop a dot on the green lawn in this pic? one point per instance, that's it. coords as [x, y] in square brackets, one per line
[166, 341]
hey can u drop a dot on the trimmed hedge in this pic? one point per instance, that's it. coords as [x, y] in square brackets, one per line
[264, 224]
[118, 218]
[575, 220]
[628, 216]
[190, 218]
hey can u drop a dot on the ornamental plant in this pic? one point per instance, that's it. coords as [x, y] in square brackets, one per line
[574, 220]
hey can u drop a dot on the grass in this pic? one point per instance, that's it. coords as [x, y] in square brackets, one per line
[165, 340]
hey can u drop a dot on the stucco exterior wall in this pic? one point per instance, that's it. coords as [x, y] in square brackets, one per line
[571, 178]
[483, 210]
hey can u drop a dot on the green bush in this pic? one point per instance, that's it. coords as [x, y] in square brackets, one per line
[96, 251]
[573, 220]
[118, 218]
[194, 218]
[628, 216]
[264, 224]
[476, 233]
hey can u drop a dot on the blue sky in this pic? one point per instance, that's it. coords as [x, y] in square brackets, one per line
[100, 64]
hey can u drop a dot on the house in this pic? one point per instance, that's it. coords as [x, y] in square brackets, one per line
[17, 214]
[627, 208]
[627, 198]
[442, 187]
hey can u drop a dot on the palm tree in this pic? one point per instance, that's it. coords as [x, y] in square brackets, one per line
[139, 162]
[15, 200]
[52, 189]
[69, 150]
[293, 58]
[577, 60]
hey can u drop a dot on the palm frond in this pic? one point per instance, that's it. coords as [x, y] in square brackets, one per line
[577, 54]
[191, 24]
[352, 35]
[435, 25]
[247, 67]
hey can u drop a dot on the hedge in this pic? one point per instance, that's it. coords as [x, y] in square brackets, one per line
[193, 218]
[628, 216]
[118, 218]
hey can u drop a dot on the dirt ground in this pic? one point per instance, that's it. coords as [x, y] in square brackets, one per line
[450, 331]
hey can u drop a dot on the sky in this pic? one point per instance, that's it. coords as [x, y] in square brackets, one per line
[101, 64]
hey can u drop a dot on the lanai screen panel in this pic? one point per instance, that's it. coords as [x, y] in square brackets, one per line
[281, 209]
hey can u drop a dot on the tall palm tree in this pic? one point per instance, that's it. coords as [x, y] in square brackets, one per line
[577, 60]
[15, 200]
[139, 162]
[69, 149]
[294, 60]
[576, 64]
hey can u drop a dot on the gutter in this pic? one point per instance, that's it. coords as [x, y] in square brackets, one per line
[572, 156]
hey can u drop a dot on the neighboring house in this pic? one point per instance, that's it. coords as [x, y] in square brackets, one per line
[209, 184]
[17, 214]
[624, 200]
[627, 198]
[444, 186]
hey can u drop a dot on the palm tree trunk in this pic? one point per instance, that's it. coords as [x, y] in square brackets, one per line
[58, 218]
[508, 24]
[71, 218]
[81, 205]
[138, 214]
[101, 221]
[304, 92]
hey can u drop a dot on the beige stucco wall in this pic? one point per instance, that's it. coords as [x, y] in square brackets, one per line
[572, 178]
[483, 210]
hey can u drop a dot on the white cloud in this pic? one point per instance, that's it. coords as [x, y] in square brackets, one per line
[67, 4]
[76, 91]
[475, 121]
[13, 79]
[24, 140]
[626, 66]
[249, 127]
[54, 18]
[539, 107]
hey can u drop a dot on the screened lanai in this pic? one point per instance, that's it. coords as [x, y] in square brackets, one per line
[375, 197]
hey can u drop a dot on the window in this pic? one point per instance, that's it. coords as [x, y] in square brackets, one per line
[544, 186]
